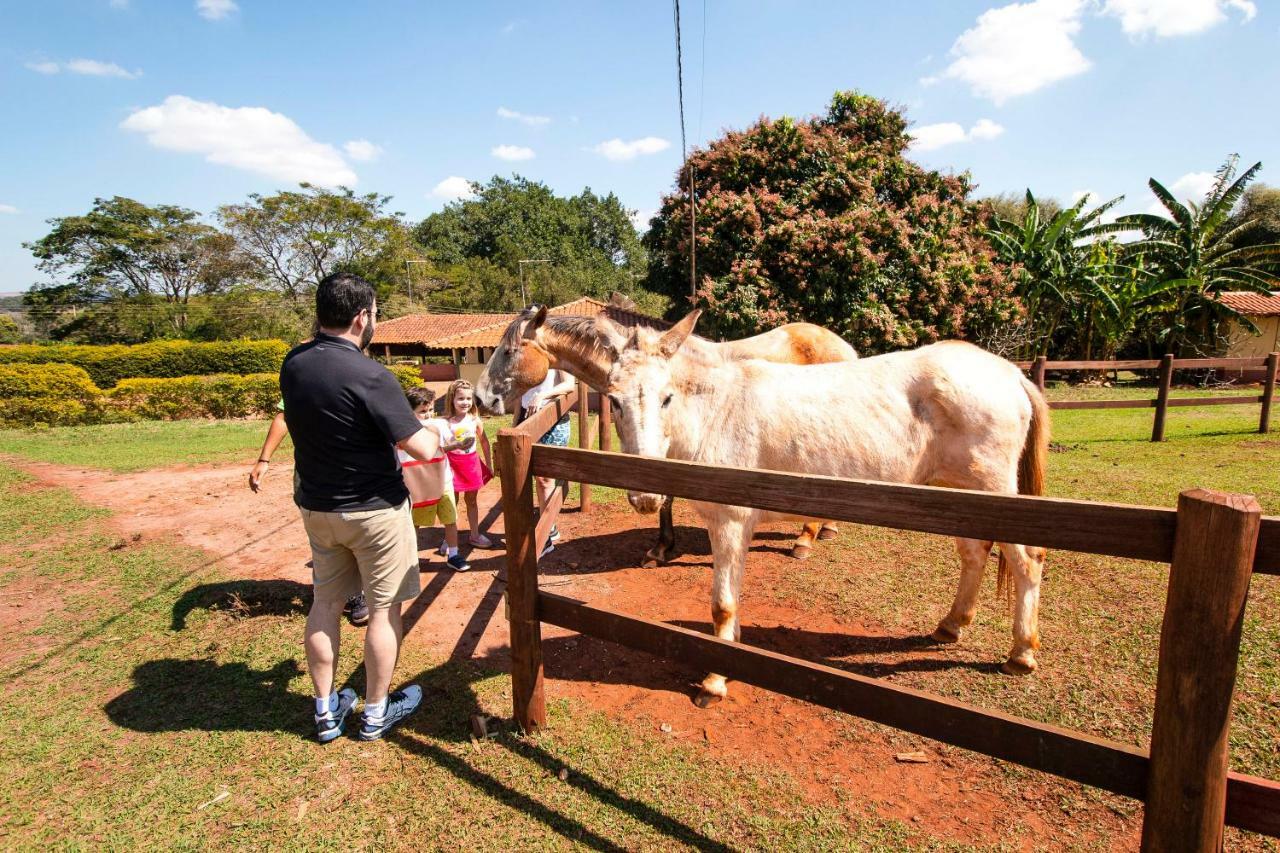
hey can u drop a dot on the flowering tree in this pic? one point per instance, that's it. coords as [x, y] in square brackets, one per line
[825, 220]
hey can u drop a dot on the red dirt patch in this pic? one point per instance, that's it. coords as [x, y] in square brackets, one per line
[835, 758]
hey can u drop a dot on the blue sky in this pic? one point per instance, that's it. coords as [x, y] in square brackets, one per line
[201, 102]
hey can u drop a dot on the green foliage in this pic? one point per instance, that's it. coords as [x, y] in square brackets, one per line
[124, 248]
[48, 394]
[475, 246]
[1193, 253]
[293, 239]
[107, 365]
[181, 397]
[407, 375]
[825, 220]
[9, 331]
[1260, 209]
[1061, 273]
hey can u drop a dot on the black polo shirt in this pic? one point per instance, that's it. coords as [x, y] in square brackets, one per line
[345, 414]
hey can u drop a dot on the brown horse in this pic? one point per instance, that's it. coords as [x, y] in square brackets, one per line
[587, 347]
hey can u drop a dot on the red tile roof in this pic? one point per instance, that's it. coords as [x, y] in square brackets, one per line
[488, 333]
[1253, 304]
[425, 328]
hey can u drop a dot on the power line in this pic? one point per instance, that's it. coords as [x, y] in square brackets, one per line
[684, 148]
[684, 153]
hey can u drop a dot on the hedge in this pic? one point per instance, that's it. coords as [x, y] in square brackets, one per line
[64, 395]
[107, 365]
[54, 394]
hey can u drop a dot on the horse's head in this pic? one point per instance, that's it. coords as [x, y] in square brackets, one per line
[519, 363]
[644, 392]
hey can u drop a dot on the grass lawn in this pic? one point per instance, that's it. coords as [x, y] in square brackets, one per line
[139, 684]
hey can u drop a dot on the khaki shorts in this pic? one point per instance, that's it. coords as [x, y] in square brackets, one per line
[445, 510]
[375, 550]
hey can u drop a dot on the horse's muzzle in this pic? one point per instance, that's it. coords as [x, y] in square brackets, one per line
[644, 502]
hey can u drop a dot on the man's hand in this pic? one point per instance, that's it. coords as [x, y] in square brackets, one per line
[255, 475]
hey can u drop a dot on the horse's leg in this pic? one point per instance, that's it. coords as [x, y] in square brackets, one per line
[828, 531]
[665, 550]
[973, 561]
[730, 539]
[803, 546]
[1026, 565]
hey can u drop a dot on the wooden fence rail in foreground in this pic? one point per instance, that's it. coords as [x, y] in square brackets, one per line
[1162, 402]
[1210, 540]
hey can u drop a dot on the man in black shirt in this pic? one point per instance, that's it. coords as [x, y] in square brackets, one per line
[346, 414]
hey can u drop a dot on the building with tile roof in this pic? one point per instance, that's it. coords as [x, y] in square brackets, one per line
[1263, 310]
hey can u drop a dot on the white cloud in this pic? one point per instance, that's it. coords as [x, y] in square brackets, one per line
[932, 136]
[94, 68]
[1193, 186]
[616, 149]
[1166, 18]
[1017, 49]
[640, 218]
[251, 138]
[216, 10]
[362, 150]
[524, 118]
[88, 67]
[453, 188]
[8, 208]
[512, 152]
[119, 4]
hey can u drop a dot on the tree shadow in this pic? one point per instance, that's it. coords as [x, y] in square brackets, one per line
[623, 549]
[243, 599]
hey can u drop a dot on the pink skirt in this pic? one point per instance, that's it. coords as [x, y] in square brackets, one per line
[469, 471]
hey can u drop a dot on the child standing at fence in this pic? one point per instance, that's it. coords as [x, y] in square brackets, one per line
[430, 483]
[470, 472]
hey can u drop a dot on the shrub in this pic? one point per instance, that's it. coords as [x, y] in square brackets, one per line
[175, 398]
[52, 394]
[107, 365]
[408, 375]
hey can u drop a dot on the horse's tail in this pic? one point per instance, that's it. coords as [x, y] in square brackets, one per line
[1031, 464]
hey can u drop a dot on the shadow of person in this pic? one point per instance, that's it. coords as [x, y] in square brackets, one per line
[204, 695]
[243, 599]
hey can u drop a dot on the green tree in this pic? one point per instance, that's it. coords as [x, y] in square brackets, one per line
[1193, 253]
[1260, 209]
[296, 238]
[476, 244]
[826, 220]
[124, 249]
[1061, 275]
[9, 331]
[1013, 206]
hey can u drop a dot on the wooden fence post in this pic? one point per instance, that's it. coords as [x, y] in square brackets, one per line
[515, 451]
[1162, 397]
[1268, 392]
[584, 440]
[606, 423]
[1213, 553]
[1037, 371]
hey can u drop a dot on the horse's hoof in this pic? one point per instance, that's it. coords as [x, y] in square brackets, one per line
[801, 552]
[705, 699]
[1024, 665]
[943, 634]
[826, 534]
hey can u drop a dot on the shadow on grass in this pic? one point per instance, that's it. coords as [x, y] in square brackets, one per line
[243, 599]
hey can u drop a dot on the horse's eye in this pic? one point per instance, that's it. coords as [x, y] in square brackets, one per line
[666, 401]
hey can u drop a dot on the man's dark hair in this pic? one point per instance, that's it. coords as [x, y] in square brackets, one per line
[420, 396]
[340, 297]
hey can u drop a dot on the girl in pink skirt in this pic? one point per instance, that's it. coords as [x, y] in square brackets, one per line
[470, 472]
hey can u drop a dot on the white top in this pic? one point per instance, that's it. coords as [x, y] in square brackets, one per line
[553, 378]
[441, 428]
[468, 427]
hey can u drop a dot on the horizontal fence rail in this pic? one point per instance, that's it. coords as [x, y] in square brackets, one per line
[1252, 803]
[1113, 530]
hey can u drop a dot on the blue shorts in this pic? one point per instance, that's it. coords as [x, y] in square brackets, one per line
[558, 435]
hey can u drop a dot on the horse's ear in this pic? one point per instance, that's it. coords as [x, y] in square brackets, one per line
[677, 334]
[610, 334]
[534, 324]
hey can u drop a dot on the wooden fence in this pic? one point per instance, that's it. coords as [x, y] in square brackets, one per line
[1162, 402]
[1213, 541]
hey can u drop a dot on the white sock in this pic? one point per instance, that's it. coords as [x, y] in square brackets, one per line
[375, 710]
[325, 704]
[453, 552]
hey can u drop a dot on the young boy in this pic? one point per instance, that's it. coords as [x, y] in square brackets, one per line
[431, 483]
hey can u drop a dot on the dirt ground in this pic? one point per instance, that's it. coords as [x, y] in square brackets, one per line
[955, 796]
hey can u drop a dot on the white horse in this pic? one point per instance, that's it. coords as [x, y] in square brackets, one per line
[948, 414]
